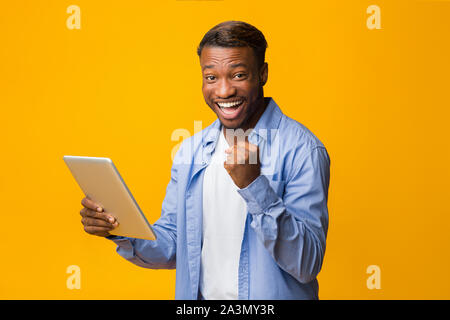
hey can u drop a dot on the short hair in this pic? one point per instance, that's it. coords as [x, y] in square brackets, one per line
[230, 34]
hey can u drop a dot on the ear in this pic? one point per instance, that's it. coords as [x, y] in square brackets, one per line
[264, 73]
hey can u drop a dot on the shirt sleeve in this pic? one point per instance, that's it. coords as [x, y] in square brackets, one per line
[159, 253]
[293, 228]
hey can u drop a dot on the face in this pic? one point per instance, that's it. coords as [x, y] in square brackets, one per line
[233, 85]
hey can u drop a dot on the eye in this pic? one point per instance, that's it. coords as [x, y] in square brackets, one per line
[210, 78]
[239, 75]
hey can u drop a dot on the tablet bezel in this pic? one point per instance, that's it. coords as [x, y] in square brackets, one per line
[135, 215]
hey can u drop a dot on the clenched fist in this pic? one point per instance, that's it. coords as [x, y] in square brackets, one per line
[242, 163]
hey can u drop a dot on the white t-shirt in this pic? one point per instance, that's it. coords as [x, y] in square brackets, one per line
[224, 215]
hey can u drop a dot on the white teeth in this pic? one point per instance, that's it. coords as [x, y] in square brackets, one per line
[226, 111]
[229, 104]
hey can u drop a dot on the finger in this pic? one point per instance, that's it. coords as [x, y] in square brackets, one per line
[243, 147]
[86, 221]
[254, 154]
[250, 152]
[98, 231]
[98, 215]
[253, 148]
[88, 203]
[239, 154]
[251, 145]
[100, 223]
[85, 212]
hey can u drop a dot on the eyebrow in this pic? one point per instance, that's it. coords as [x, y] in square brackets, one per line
[235, 65]
[208, 67]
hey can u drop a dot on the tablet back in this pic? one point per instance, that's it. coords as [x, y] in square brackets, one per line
[100, 181]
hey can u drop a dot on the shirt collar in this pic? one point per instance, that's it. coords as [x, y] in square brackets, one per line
[270, 119]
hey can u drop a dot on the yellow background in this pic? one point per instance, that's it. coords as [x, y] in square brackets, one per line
[119, 87]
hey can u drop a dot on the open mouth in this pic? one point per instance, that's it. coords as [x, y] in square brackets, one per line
[230, 110]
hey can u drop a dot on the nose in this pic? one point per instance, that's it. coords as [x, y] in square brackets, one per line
[224, 89]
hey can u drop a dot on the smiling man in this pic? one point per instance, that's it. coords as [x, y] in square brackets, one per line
[238, 221]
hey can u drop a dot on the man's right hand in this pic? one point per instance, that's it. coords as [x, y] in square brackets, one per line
[95, 220]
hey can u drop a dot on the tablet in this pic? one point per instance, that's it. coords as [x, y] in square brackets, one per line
[101, 182]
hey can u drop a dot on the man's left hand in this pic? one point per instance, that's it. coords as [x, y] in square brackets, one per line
[243, 163]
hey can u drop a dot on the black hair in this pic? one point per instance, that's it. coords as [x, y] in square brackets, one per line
[231, 34]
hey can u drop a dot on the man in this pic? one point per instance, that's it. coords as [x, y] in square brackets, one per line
[237, 223]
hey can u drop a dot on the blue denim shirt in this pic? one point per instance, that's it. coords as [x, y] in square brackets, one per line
[285, 232]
